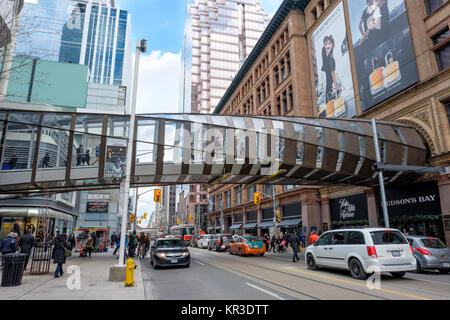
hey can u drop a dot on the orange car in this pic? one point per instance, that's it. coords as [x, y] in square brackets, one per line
[247, 245]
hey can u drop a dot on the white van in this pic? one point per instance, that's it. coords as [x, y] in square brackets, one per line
[358, 249]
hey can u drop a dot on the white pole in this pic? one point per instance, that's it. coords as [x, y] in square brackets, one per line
[380, 175]
[126, 184]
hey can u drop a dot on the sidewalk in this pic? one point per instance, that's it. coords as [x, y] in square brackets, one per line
[95, 284]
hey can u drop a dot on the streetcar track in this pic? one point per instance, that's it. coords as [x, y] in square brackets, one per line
[301, 277]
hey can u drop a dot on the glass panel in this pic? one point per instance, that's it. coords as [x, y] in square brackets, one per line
[219, 144]
[53, 148]
[118, 126]
[60, 121]
[320, 150]
[145, 153]
[239, 145]
[89, 123]
[198, 142]
[147, 131]
[20, 142]
[86, 150]
[298, 129]
[116, 157]
[173, 142]
[26, 118]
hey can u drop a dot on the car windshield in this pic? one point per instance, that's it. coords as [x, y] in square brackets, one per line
[387, 238]
[173, 243]
[433, 243]
[252, 239]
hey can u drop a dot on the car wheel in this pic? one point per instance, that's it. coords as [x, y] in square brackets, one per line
[398, 275]
[311, 262]
[356, 270]
[444, 271]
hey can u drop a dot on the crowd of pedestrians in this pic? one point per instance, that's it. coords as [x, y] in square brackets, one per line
[135, 245]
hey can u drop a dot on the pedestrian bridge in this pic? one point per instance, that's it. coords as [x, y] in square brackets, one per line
[61, 152]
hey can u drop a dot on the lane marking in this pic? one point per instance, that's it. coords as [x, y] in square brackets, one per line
[265, 291]
[201, 263]
[355, 283]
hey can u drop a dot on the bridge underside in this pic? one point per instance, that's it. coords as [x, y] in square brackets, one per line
[40, 151]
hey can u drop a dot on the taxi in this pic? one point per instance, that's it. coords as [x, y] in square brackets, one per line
[248, 245]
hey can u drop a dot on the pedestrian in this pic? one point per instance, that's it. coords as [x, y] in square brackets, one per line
[141, 247]
[295, 243]
[130, 245]
[147, 244]
[9, 244]
[94, 238]
[46, 161]
[89, 244]
[286, 239]
[26, 244]
[16, 237]
[118, 245]
[313, 238]
[58, 254]
[80, 155]
[87, 158]
[303, 239]
[272, 244]
[13, 162]
[113, 240]
[72, 241]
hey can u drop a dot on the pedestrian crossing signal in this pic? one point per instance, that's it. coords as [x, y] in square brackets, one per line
[278, 217]
[257, 198]
[157, 196]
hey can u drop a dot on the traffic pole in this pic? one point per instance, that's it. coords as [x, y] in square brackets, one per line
[141, 46]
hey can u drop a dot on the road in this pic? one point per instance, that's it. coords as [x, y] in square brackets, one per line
[220, 276]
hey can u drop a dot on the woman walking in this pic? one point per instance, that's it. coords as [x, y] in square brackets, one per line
[72, 241]
[58, 254]
[89, 244]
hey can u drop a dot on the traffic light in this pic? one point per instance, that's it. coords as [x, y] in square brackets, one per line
[145, 215]
[132, 217]
[178, 220]
[157, 196]
[278, 217]
[139, 221]
[257, 198]
[190, 217]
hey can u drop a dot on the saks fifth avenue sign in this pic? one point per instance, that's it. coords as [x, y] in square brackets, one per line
[347, 209]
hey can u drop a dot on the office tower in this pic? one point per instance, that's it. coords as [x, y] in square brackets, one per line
[219, 36]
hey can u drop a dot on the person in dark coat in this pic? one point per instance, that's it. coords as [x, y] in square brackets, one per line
[72, 241]
[46, 161]
[80, 155]
[58, 254]
[26, 244]
[13, 162]
[9, 244]
[295, 243]
[87, 158]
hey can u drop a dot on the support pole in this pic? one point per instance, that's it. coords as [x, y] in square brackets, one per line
[380, 175]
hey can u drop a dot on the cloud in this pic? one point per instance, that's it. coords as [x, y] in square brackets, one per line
[158, 86]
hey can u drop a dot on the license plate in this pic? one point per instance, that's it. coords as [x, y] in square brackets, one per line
[446, 265]
[396, 253]
[173, 260]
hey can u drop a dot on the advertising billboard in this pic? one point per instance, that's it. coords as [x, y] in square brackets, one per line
[333, 75]
[350, 208]
[384, 55]
[97, 207]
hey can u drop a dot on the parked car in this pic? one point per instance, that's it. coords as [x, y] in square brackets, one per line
[248, 245]
[356, 250]
[430, 253]
[220, 242]
[203, 241]
[169, 252]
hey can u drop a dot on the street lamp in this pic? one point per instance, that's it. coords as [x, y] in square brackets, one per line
[141, 46]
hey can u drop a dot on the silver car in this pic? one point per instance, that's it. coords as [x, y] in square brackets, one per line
[430, 253]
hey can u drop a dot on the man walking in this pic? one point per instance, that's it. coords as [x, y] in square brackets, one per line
[26, 244]
[80, 155]
[295, 243]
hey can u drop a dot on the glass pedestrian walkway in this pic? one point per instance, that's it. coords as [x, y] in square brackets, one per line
[61, 152]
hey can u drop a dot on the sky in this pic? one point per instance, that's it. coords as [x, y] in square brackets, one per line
[161, 23]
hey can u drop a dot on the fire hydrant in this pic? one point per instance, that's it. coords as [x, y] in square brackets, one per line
[129, 282]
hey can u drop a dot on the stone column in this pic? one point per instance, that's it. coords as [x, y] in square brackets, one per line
[372, 208]
[444, 191]
[259, 218]
[326, 213]
[311, 213]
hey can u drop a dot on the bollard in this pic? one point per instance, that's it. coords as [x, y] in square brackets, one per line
[129, 282]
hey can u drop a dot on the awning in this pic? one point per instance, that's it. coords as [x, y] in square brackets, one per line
[28, 212]
[266, 224]
[290, 222]
[236, 226]
[250, 225]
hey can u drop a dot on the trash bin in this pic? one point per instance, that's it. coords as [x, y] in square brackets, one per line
[13, 266]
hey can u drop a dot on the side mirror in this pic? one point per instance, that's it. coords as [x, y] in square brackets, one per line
[315, 243]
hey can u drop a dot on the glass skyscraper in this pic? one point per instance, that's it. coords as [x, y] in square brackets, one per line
[219, 36]
[92, 33]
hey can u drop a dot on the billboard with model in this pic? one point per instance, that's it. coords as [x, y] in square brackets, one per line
[384, 55]
[333, 75]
